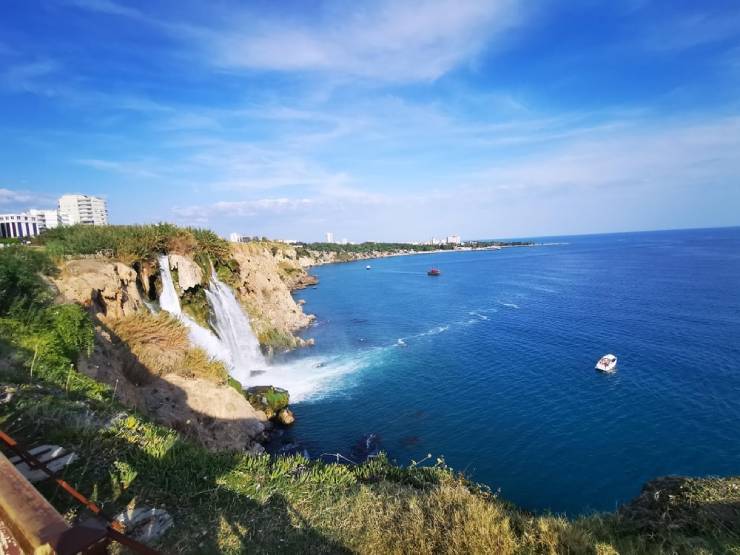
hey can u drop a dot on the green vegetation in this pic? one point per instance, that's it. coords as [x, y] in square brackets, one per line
[229, 502]
[350, 252]
[276, 339]
[366, 248]
[133, 242]
[195, 304]
[36, 336]
[270, 400]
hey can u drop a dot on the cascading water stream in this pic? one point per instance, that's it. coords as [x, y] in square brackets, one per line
[169, 301]
[235, 331]
[235, 344]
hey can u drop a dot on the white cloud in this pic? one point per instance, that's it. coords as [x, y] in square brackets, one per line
[388, 40]
[133, 169]
[9, 196]
[105, 6]
[242, 208]
[385, 39]
[30, 77]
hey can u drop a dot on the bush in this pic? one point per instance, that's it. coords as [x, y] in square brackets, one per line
[73, 328]
[21, 284]
[133, 242]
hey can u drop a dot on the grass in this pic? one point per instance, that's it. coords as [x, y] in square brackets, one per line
[228, 502]
[130, 243]
[160, 343]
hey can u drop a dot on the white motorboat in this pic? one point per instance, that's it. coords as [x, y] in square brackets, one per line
[607, 363]
[368, 267]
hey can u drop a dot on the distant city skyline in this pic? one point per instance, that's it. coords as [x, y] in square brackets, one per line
[386, 120]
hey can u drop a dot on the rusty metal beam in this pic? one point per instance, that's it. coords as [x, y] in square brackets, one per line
[31, 519]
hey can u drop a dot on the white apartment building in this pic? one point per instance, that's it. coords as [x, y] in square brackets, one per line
[46, 219]
[453, 240]
[20, 226]
[329, 237]
[83, 209]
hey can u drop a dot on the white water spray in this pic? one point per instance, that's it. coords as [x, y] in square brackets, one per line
[235, 344]
[169, 301]
[233, 328]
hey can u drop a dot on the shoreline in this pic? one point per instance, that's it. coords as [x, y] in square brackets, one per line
[390, 254]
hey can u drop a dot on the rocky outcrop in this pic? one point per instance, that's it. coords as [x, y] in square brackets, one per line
[265, 276]
[189, 274]
[273, 401]
[217, 416]
[107, 287]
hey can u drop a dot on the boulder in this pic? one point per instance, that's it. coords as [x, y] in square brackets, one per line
[189, 274]
[107, 287]
[268, 399]
[286, 417]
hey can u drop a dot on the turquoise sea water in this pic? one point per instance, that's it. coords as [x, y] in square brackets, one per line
[497, 369]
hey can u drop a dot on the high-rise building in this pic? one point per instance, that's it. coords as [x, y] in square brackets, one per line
[46, 219]
[21, 225]
[453, 239]
[83, 209]
[329, 237]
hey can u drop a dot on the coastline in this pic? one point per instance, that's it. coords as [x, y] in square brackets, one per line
[320, 259]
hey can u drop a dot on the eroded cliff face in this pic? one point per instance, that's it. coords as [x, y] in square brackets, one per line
[108, 288]
[267, 274]
[211, 412]
[216, 415]
[263, 279]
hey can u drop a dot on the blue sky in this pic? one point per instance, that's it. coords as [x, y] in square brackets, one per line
[378, 120]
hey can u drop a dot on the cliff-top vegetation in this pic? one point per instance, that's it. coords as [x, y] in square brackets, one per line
[133, 242]
[229, 502]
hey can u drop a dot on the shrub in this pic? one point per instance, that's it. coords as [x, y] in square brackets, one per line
[133, 242]
[21, 282]
[73, 328]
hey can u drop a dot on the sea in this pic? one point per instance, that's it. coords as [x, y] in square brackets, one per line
[490, 365]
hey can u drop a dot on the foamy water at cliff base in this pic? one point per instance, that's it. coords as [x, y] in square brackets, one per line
[235, 344]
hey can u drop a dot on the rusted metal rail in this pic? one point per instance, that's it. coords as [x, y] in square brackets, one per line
[37, 527]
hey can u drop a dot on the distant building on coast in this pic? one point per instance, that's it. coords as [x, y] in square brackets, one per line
[329, 237]
[47, 219]
[21, 225]
[72, 209]
[239, 238]
[83, 209]
[453, 240]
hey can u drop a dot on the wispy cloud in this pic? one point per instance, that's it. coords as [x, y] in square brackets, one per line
[9, 196]
[31, 77]
[133, 169]
[105, 6]
[685, 31]
[385, 40]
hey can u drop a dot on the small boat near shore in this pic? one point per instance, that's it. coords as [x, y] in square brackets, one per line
[607, 363]
[434, 272]
[368, 267]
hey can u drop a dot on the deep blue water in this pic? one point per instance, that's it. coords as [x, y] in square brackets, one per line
[497, 373]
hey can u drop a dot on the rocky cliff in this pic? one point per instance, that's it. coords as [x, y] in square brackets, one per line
[266, 276]
[148, 360]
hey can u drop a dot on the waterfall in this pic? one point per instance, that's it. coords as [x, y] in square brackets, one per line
[169, 301]
[233, 328]
[234, 343]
